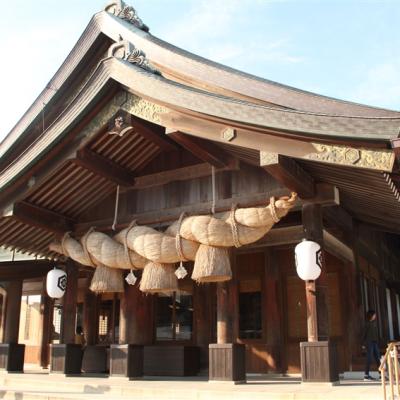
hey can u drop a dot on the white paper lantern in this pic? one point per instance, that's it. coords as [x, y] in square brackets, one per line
[56, 283]
[308, 257]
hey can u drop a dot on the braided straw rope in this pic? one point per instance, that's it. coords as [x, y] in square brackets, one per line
[274, 215]
[63, 248]
[178, 241]
[126, 248]
[84, 245]
[234, 227]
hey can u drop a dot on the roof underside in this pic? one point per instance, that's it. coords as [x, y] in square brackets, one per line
[193, 88]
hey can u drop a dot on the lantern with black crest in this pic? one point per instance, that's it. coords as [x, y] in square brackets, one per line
[56, 283]
[308, 256]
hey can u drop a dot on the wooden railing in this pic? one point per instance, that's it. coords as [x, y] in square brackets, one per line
[390, 365]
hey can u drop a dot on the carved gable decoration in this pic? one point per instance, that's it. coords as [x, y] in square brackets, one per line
[125, 50]
[128, 13]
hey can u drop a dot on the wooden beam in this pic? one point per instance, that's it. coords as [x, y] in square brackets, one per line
[203, 149]
[289, 173]
[33, 215]
[396, 147]
[154, 133]
[24, 269]
[178, 174]
[326, 197]
[104, 167]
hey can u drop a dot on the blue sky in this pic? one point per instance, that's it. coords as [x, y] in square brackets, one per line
[348, 49]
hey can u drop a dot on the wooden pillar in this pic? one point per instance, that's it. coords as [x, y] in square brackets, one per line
[3, 296]
[66, 357]
[90, 317]
[12, 353]
[316, 292]
[318, 355]
[46, 317]
[203, 305]
[227, 359]
[69, 304]
[135, 331]
[224, 317]
[273, 313]
[136, 317]
[13, 310]
[312, 315]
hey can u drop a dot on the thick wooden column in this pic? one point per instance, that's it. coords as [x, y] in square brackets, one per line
[136, 317]
[69, 304]
[46, 317]
[224, 316]
[90, 317]
[318, 355]
[227, 359]
[204, 301]
[316, 292]
[13, 310]
[273, 314]
[312, 314]
[12, 353]
[66, 357]
[135, 331]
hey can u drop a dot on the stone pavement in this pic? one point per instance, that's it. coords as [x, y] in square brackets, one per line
[42, 386]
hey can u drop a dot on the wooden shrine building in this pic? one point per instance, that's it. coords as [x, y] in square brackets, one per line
[132, 128]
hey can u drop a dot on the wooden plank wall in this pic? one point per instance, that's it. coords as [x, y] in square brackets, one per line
[247, 180]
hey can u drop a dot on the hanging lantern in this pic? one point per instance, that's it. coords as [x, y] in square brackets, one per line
[56, 283]
[308, 256]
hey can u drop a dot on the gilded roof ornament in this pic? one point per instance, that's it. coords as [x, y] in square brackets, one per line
[120, 9]
[125, 50]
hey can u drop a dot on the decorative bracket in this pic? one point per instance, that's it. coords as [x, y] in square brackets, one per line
[120, 124]
[128, 13]
[125, 50]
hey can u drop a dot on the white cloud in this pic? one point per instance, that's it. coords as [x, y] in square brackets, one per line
[381, 85]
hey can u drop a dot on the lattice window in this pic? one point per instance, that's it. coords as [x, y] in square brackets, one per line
[57, 320]
[103, 325]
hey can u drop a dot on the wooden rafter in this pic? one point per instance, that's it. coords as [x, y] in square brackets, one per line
[154, 133]
[39, 217]
[290, 174]
[203, 149]
[104, 167]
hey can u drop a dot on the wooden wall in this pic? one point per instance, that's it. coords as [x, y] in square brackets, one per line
[246, 181]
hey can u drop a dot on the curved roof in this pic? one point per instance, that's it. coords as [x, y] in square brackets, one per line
[194, 71]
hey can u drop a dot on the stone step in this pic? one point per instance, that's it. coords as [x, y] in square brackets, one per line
[58, 387]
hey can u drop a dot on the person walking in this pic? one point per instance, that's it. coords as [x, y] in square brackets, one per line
[370, 343]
